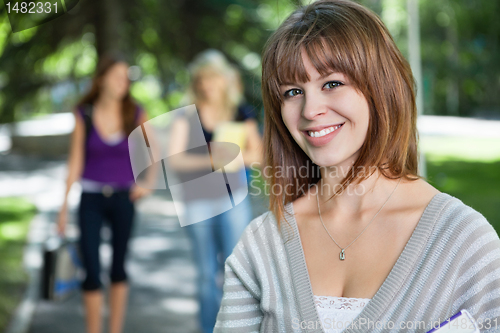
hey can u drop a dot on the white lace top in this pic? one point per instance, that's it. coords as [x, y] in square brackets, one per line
[336, 313]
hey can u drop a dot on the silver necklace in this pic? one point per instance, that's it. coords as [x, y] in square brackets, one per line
[342, 250]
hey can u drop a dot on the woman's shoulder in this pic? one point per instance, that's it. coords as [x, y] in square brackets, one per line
[260, 251]
[139, 111]
[83, 109]
[265, 221]
[459, 220]
[471, 245]
[261, 235]
[452, 209]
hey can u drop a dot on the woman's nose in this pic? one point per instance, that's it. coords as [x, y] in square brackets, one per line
[313, 106]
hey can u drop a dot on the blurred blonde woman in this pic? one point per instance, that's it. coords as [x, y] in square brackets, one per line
[216, 90]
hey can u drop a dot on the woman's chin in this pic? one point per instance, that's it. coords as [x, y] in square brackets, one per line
[213, 97]
[119, 94]
[341, 164]
[323, 161]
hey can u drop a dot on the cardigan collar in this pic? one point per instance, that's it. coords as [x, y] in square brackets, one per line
[391, 285]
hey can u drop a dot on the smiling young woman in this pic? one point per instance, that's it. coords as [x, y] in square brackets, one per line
[360, 239]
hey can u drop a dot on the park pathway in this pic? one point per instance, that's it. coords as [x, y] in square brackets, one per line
[161, 270]
[162, 281]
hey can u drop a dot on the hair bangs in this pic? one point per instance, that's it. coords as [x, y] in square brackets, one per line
[290, 67]
[327, 54]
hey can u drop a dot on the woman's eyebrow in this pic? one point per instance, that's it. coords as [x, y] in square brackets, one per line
[327, 74]
[330, 73]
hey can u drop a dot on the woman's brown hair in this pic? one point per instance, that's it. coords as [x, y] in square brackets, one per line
[340, 36]
[128, 104]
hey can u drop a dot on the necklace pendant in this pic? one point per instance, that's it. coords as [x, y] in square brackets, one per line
[342, 255]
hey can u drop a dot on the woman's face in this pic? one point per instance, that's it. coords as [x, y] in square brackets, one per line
[115, 82]
[327, 116]
[211, 86]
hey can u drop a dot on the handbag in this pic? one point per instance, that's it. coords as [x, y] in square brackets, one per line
[61, 271]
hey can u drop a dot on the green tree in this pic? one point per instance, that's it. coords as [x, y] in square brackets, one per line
[161, 37]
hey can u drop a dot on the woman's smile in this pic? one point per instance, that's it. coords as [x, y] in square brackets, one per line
[321, 135]
[327, 116]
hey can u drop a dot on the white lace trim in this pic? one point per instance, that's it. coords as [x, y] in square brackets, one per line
[340, 303]
[336, 313]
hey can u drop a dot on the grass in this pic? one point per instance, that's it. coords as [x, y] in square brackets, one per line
[15, 216]
[475, 183]
[467, 169]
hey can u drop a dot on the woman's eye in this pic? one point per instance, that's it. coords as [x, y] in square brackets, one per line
[332, 84]
[292, 93]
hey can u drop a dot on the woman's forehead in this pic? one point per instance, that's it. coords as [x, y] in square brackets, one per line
[305, 60]
[333, 75]
[307, 71]
[118, 67]
[209, 72]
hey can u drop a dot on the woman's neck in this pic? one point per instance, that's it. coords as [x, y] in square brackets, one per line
[370, 194]
[108, 103]
[216, 109]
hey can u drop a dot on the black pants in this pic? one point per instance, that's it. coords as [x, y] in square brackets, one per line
[94, 209]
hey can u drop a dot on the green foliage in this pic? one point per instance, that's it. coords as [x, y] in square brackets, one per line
[15, 216]
[66, 49]
[459, 41]
[4, 32]
[459, 48]
[468, 170]
[460, 51]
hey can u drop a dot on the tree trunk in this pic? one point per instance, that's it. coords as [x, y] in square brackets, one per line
[109, 26]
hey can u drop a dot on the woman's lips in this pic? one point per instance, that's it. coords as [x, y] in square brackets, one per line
[322, 137]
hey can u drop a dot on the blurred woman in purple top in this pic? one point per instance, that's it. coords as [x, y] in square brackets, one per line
[99, 159]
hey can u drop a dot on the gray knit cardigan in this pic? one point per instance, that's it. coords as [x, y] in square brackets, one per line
[451, 262]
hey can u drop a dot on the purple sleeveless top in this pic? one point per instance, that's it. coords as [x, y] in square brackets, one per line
[106, 163]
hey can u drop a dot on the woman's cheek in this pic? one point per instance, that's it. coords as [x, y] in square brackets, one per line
[289, 125]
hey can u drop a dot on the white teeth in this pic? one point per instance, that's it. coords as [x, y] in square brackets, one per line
[323, 132]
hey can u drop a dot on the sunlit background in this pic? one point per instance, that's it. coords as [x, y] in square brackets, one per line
[453, 46]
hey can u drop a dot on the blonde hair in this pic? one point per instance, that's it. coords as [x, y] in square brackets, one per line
[215, 60]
